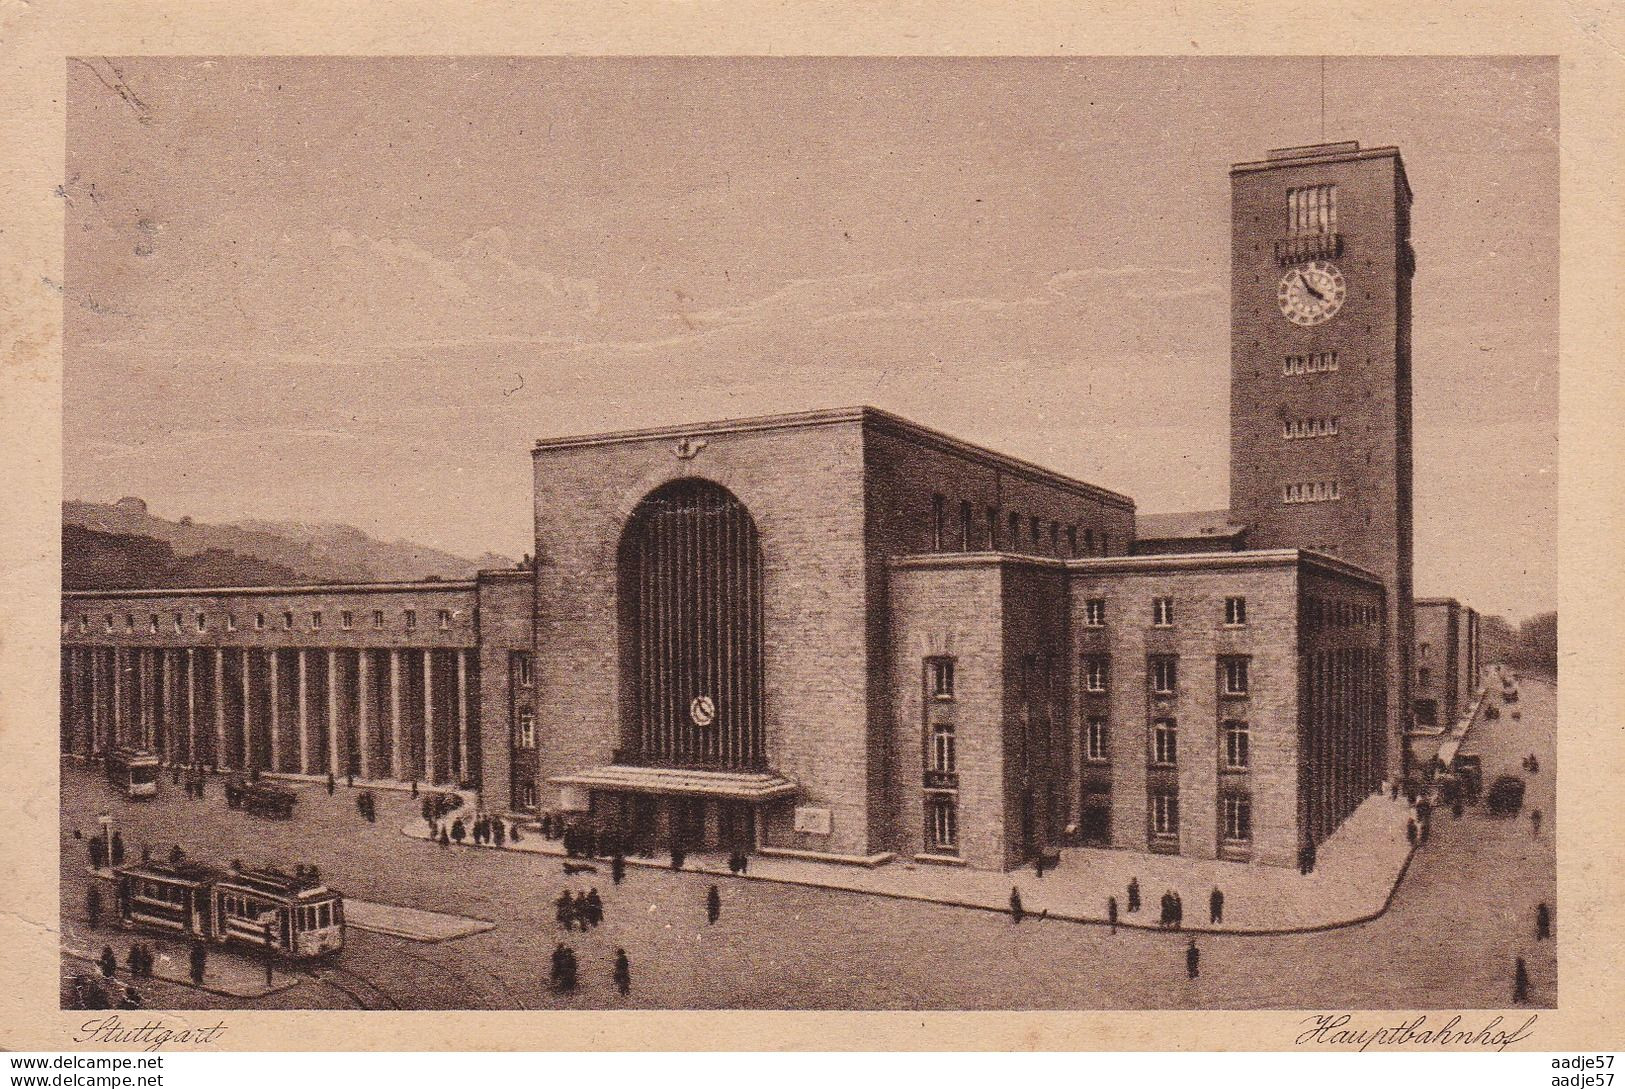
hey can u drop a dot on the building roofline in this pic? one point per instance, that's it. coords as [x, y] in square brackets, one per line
[927, 561]
[1338, 152]
[864, 415]
[1183, 561]
[275, 591]
[1436, 601]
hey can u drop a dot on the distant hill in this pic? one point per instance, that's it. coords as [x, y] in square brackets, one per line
[299, 552]
[92, 560]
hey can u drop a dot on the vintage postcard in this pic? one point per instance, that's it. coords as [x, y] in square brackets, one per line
[1072, 538]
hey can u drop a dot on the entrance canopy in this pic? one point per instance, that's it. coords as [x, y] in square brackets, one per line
[743, 786]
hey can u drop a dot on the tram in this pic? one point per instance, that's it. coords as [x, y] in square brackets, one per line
[293, 914]
[133, 771]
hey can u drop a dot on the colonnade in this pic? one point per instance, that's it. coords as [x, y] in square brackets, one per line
[377, 713]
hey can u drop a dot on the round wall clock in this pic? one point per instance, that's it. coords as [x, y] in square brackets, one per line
[1311, 293]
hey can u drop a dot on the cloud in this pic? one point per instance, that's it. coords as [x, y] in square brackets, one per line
[1135, 282]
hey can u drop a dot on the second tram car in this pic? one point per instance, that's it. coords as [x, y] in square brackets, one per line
[133, 771]
[294, 914]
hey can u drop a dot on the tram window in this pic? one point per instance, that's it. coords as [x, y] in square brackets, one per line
[325, 916]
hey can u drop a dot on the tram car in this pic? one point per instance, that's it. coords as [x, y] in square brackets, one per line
[133, 771]
[294, 914]
[261, 799]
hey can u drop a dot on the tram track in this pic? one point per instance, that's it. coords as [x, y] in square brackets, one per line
[515, 1002]
[333, 977]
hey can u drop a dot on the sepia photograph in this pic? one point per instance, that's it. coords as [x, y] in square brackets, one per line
[809, 533]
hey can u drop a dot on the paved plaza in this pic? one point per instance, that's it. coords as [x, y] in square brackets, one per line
[1462, 912]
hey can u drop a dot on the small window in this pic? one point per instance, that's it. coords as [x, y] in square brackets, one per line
[1089, 540]
[84, 622]
[944, 822]
[1095, 743]
[231, 621]
[1094, 612]
[1164, 741]
[1094, 673]
[1235, 676]
[527, 795]
[992, 529]
[378, 618]
[152, 624]
[1162, 612]
[411, 619]
[522, 669]
[1105, 544]
[1237, 818]
[965, 528]
[940, 676]
[108, 626]
[202, 622]
[1071, 540]
[1164, 676]
[942, 749]
[939, 515]
[287, 620]
[1015, 531]
[259, 621]
[1236, 743]
[180, 623]
[1165, 814]
[1036, 526]
[525, 732]
[1055, 538]
[1235, 611]
[316, 621]
[346, 619]
[129, 622]
[445, 619]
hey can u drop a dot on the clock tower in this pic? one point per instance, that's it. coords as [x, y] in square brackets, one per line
[1320, 372]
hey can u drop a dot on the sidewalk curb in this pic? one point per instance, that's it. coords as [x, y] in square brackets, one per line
[292, 981]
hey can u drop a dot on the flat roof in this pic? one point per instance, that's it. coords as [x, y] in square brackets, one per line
[271, 591]
[864, 415]
[1186, 525]
[1338, 151]
[1179, 561]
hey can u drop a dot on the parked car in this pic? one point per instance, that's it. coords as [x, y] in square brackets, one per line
[1506, 795]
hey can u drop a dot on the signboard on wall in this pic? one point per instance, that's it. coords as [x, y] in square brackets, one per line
[573, 799]
[811, 820]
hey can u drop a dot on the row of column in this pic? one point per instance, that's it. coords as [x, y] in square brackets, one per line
[402, 713]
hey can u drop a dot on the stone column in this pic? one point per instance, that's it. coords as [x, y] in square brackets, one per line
[164, 665]
[274, 657]
[191, 706]
[95, 654]
[462, 716]
[219, 707]
[117, 736]
[429, 762]
[363, 743]
[396, 765]
[248, 711]
[304, 716]
[333, 738]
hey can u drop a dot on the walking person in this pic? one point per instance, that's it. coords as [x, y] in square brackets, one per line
[1133, 895]
[1111, 912]
[713, 905]
[1179, 912]
[564, 909]
[595, 907]
[332, 784]
[623, 973]
[1215, 907]
[1193, 960]
[1017, 912]
[617, 868]
[1167, 914]
[1543, 921]
[1520, 982]
[1534, 822]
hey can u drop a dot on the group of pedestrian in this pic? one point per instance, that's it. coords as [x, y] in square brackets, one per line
[140, 960]
[738, 863]
[1173, 911]
[196, 776]
[490, 830]
[567, 968]
[584, 908]
[1531, 765]
[367, 806]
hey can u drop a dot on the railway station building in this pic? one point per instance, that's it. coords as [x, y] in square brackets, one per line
[843, 635]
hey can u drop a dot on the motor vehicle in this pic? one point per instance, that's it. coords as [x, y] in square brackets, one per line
[1506, 795]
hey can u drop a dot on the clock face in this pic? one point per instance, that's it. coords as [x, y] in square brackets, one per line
[1311, 293]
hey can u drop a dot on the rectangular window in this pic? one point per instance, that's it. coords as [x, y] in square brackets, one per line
[1318, 491]
[1055, 538]
[1237, 814]
[1312, 209]
[1095, 747]
[180, 623]
[152, 624]
[1036, 527]
[1089, 540]
[202, 622]
[1162, 612]
[84, 622]
[1014, 541]
[1094, 673]
[287, 620]
[939, 507]
[444, 617]
[992, 529]
[942, 748]
[316, 621]
[346, 619]
[940, 677]
[1071, 540]
[231, 621]
[527, 795]
[108, 623]
[1235, 611]
[966, 530]
[1105, 544]
[378, 618]
[129, 622]
[1164, 676]
[525, 733]
[522, 669]
[944, 822]
[1165, 814]
[259, 621]
[1164, 741]
[411, 619]
[1235, 676]
[1236, 742]
[1094, 612]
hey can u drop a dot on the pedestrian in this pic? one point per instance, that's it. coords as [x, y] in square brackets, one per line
[1411, 832]
[1111, 912]
[445, 840]
[1215, 907]
[1179, 912]
[132, 960]
[1427, 826]
[568, 982]
[564, 910]
[1193, 960]
[1534, 765]
[1038, 865]
[107, 962]
[200, 958]
[617, 868]
[556, 977]
[623, 973]
[499, 831]
[117, 852]
[1543, 921]
[713, 905]
[744, 863]
[677, 856]
[349, 781]
[1166, 916]
[595, 907]
[582, 913]
[733, 863]
[1133, 895]
[332, 784]
[98, 852]
[1520, 982]
[93, 906]
[1534, 822]
[458, 832]
[414, 788]
[1017, 912]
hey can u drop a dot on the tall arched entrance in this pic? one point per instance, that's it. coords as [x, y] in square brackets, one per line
[690, 578]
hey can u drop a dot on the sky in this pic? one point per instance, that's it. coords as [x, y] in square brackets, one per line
[357, 289]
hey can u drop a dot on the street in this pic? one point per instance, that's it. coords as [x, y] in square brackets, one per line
[1462, 914]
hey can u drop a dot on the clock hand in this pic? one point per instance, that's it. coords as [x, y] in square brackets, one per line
[1309, 287]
